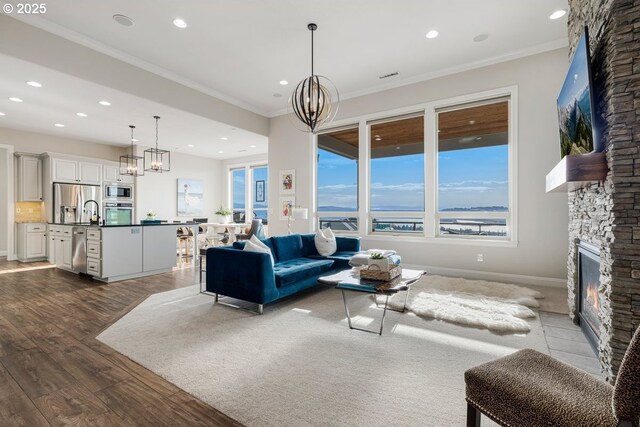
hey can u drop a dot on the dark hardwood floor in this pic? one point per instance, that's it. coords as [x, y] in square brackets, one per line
[54, 372]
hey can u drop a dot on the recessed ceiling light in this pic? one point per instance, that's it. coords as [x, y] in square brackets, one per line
[2, 114]
[284, 82]
[558, 14]
[252, 146]
[81, 115]
[224, 138]
[190, 145]
[135, 140]
[34, 83]
[472, 122]
[397, 148]
[180, 23]
[123, 20]
[220, 152]
[480, 38]
[59, 125]
[14, 99]
[432, 34]
[105, 103]
[378, 139]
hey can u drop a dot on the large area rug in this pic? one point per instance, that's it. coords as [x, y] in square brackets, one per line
[499, 307]
[300, 365]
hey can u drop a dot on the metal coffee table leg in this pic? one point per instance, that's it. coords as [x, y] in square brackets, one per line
[404, 306]
[384, 312]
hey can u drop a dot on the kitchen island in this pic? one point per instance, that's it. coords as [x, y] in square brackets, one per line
[116, 252]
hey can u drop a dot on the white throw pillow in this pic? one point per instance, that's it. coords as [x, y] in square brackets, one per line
[325, 242]
[258, 242]
[249, 246]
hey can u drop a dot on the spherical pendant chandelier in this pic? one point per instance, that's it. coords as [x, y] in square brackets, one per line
[314, 101]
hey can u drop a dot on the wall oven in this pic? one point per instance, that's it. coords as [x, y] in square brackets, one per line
[118, 191]
[117, 213]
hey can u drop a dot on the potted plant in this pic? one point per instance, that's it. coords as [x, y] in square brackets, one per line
[380, 261]
[151, 215]
[224, 215]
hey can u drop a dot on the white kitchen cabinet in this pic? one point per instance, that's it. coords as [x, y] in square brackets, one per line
[29, 175]
[51, 250]
[32, 242]
[112, 174]
[62, 247]
[73, 171]
[90, 173]
[94, 251]
[64, 170]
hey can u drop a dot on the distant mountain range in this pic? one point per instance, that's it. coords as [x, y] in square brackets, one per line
[404, 208]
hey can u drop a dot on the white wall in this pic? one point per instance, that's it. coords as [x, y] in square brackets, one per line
[4, 196]
[158, 191]
[543, 234]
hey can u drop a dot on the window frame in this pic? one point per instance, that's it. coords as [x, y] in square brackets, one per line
[317, 214]
[431, 214]
[249, 190]
[475, 214]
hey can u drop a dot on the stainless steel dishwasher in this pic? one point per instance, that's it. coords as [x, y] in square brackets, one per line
[79, 249]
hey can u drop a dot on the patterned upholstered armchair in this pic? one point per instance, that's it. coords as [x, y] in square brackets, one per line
[531, 389]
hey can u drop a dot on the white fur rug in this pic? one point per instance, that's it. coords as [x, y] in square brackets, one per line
[499, 307]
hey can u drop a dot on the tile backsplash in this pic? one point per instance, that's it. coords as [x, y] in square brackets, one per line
[30, 212]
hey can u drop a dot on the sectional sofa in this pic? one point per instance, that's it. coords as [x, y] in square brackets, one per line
[251, 276]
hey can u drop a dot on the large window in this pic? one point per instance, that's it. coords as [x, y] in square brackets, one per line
[337, 176]
[473, 170]
[397, 176]
[260, 197]
[239, 194]
[442, 170]
[249, 192]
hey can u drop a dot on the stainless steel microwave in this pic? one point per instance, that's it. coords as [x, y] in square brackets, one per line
[120, 192]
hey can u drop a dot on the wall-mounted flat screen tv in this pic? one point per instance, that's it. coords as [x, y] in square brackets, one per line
[576, 108]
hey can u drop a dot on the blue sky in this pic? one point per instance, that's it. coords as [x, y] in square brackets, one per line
[239, 187]
[467, 178]
[577, 76]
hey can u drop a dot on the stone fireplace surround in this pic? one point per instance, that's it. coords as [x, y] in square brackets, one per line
[607, 214]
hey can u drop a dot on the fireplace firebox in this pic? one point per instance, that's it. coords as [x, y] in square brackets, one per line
[588, 295]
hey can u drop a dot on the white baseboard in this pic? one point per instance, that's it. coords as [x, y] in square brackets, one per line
[519, 279]
[3, 253]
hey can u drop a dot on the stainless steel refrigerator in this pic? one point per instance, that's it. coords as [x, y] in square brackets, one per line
[69, 203]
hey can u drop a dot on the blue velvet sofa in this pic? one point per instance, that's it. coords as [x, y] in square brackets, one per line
[250, 276]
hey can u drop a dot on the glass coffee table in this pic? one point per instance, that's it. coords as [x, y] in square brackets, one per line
[347, 280]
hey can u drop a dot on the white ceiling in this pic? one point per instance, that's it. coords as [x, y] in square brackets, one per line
[62, 96]
[240, 50]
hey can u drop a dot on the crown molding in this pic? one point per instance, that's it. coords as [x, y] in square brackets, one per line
[521, 53]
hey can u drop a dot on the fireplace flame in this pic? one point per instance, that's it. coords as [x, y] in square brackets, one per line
[592, 297]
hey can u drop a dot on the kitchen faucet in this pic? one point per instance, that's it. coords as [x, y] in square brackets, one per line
[91, 221]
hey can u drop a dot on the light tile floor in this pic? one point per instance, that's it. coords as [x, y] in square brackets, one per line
[567, 343]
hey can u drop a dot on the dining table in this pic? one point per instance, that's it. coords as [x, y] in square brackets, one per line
[221, 228]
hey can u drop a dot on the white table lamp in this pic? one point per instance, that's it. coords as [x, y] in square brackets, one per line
[296, 212]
